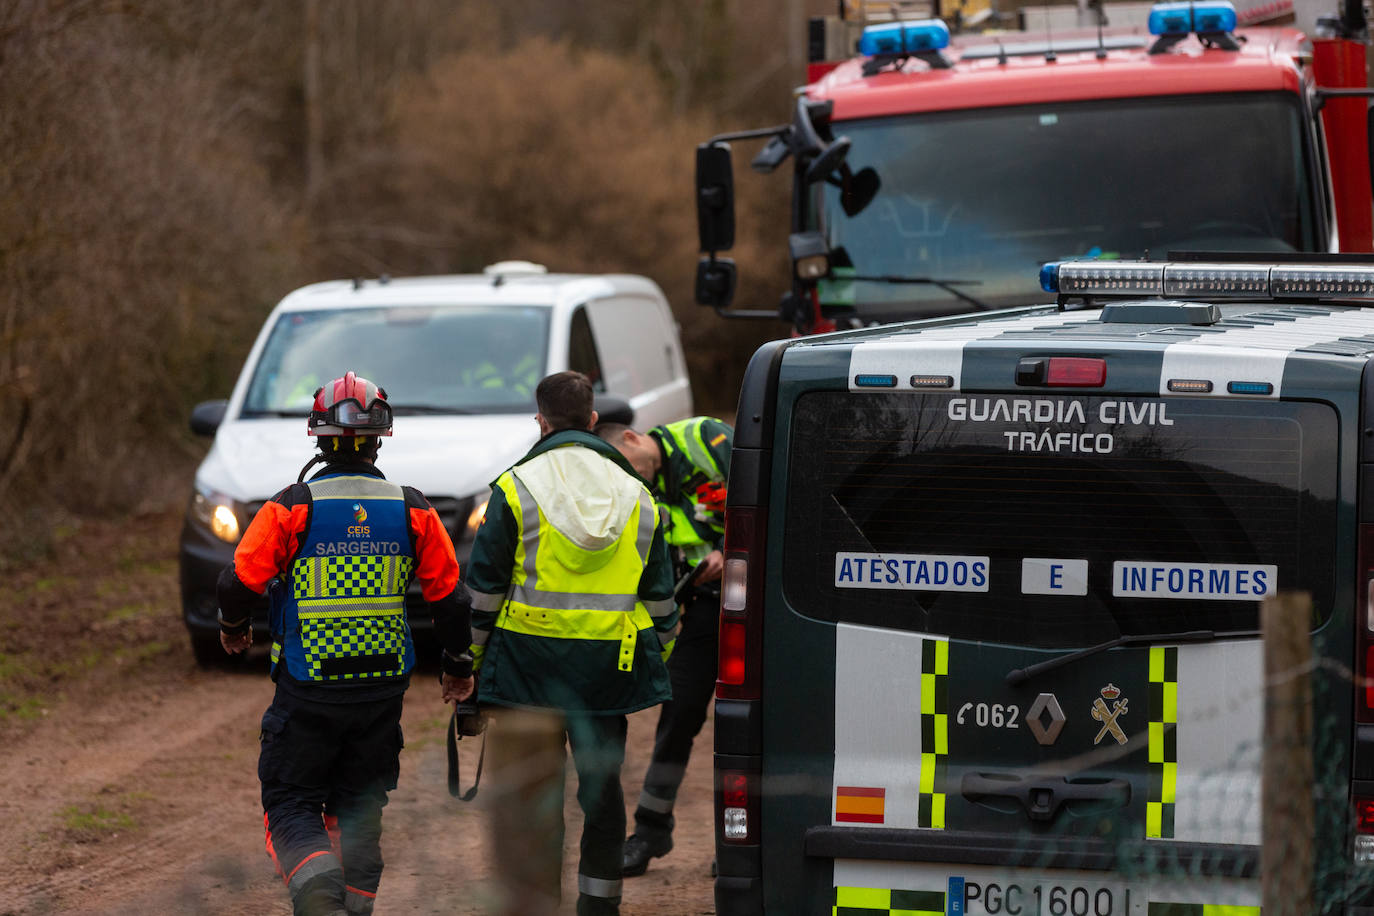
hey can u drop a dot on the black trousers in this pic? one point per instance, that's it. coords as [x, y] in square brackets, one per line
[335, 759]
[692, 672]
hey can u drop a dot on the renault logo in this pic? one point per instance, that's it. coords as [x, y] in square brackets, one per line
[1045, 706]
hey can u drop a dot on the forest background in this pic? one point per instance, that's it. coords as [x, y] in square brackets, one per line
[172, 168]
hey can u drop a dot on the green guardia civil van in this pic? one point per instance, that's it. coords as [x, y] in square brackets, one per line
[990, 618]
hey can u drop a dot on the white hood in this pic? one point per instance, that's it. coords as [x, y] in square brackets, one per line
[440, 455]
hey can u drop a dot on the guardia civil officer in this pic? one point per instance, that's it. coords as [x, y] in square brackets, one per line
[571, 592]
[687, 464]
[336, 554]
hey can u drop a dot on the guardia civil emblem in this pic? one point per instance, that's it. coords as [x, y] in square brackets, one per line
[1107, 716]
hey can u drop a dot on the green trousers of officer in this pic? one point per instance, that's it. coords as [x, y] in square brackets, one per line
[527, 758]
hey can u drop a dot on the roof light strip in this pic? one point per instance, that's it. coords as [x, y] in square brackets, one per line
[1250, 281]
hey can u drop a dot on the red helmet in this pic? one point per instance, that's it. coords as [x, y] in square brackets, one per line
[350, 406]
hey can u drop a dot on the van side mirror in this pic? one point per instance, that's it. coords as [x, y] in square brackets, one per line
[716, 282]
[715, 197]
[207, 416]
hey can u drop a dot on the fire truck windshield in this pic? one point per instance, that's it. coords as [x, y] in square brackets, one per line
[988, 195]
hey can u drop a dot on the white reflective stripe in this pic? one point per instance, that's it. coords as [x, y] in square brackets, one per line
[571, 601]
[480, 637]
[486, 601]
[696, 449]
[357, 903]
[654, 803]
[322, 864]
[660, 607]
[648, 520]
[354, 488]
[598, 887]
[529, 529]
[665, 638]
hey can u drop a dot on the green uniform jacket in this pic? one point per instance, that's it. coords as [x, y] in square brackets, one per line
[689, 484]
[571, 584]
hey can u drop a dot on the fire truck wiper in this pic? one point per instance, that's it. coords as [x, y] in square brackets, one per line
[1020, 675]
[946, 285]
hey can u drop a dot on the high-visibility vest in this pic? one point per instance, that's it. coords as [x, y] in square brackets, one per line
[683, 527]
[342, 615]
[564, 590]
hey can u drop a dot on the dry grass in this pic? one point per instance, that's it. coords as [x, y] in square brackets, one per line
[160, 190]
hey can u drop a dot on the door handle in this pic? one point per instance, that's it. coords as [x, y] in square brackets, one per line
[1042, 798]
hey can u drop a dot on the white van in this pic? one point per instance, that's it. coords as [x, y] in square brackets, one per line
[459, 357]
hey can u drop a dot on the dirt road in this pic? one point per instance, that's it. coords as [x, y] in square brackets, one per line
[129, 776]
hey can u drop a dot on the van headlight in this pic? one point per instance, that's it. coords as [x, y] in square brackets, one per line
[477, 516]
[217, 512]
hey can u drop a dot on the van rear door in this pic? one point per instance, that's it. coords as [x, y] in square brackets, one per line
[1041, 614]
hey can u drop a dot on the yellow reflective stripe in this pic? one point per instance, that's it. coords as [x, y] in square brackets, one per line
[941, 733]
[1156, 663]
[1154, 819]
[942, 656]
[1221, 909]
[352, 611]
[1156, 742]
[928, 694]
[937, 810]
[871, 898]
[927, 773]
[1169, 783]
[569, 624]
[276, 651]
[1170, 712]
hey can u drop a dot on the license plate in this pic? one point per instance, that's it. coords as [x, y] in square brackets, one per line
[1038, 897]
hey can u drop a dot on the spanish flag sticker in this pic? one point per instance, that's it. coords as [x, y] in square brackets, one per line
[859, 805]
[718, 440]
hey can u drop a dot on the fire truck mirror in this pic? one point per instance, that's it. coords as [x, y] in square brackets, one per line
[827, 161]
[715, 282]
[858, 190]
[715, 198]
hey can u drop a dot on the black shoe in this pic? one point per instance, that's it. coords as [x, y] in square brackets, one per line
[638, 852]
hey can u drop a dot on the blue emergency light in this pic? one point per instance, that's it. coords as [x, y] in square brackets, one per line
[913, 37]
[1181, 18]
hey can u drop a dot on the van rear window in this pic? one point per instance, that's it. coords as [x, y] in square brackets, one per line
[1056, 521]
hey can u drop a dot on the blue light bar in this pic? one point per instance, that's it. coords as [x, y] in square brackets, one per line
[904, 37]
[875, 381]
[1180, 18]
[1214, 16]
[1192, 280]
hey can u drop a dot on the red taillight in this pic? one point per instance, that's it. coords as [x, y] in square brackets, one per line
[741, 600]
[1076, 372]
[732, 646]
[1364, 815]
[738, 807]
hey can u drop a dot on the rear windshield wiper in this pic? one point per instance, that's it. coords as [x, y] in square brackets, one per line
[1021, 675]
[946, 285]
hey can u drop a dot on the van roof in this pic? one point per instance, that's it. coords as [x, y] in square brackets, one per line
[517, 288]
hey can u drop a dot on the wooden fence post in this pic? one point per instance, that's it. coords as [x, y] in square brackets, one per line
[1286, 791]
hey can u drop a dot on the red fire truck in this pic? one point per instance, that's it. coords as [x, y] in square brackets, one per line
[933, 174]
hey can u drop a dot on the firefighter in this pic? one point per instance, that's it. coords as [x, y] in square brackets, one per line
[571, 591]
[686, 464]
[335, 555]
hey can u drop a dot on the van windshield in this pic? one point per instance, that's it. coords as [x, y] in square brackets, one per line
[991, 194]
[1056, 521]
[430, 359]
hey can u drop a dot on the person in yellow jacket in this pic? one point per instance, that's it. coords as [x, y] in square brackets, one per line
[572, 617]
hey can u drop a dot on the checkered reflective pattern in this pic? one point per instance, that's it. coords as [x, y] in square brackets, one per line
[348, 637]
[350, 607]
[350, 577]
